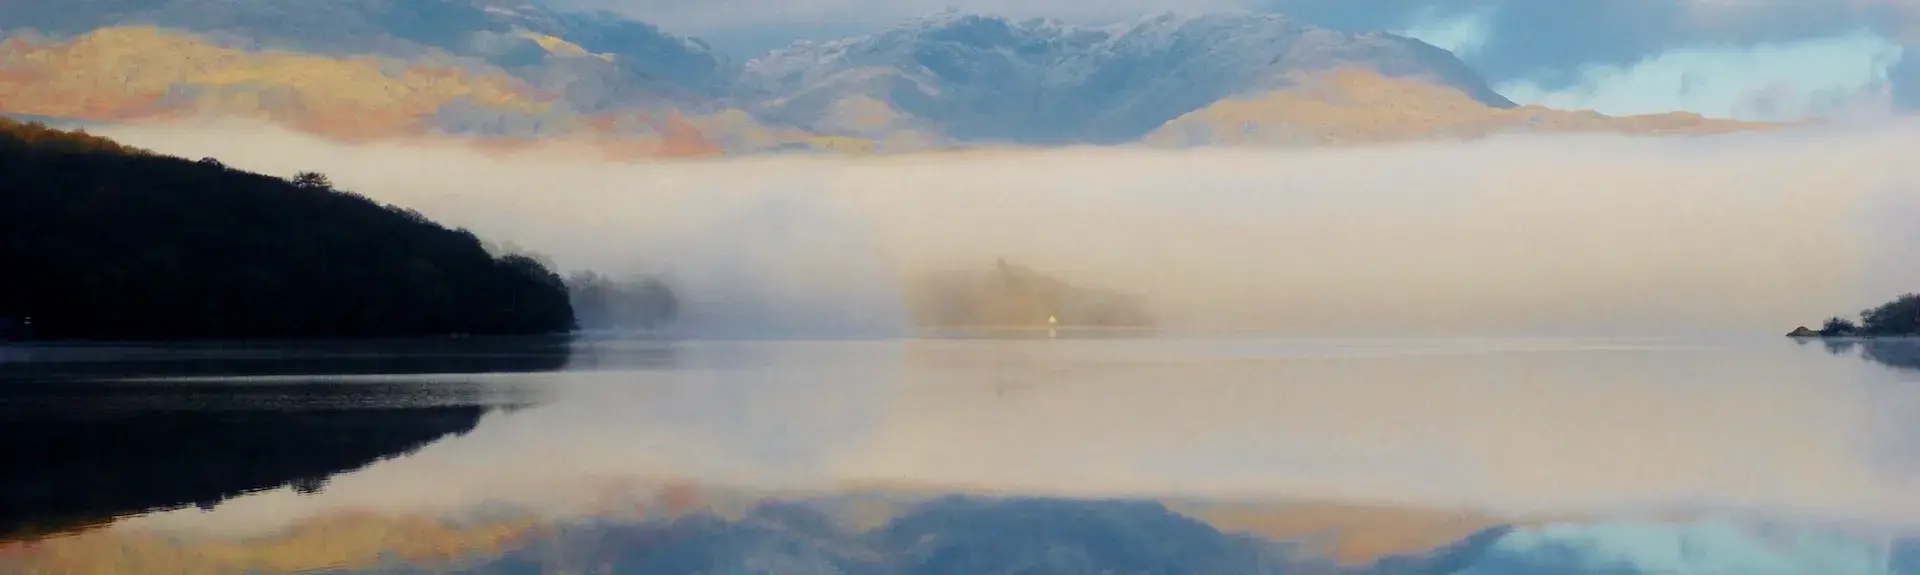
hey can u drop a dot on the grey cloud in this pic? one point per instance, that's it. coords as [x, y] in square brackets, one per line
[1905, 78]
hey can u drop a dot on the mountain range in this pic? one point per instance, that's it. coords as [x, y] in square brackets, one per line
[509, 73]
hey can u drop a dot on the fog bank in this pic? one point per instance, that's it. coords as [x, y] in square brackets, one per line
[1533, 234]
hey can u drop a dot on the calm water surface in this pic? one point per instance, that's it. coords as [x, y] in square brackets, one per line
[1076, 454]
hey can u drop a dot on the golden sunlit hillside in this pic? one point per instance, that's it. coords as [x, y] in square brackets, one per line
[1358, 107]
[147, 74]
[133, 73]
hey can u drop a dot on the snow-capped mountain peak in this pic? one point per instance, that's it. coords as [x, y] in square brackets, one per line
[1044, 81]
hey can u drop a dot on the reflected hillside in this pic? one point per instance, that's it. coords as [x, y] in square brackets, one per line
[214, 359]
[81, 454]
[1265, 455]
[1898, 353]
[946, 535]
[687, 529]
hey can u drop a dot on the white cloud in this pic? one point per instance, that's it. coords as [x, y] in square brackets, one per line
[1764, 82]
[1462, 34]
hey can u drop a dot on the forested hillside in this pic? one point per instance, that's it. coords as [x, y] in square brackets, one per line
[103, 241]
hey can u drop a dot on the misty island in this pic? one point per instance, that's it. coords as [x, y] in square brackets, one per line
[101, 241]
[1897, 318]
[1016, 296]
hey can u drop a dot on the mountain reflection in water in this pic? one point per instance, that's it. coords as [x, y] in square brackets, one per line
[1104, 454]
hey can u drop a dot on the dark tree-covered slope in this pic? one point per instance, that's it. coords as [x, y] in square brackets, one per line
[102, 241]
[1897, 318]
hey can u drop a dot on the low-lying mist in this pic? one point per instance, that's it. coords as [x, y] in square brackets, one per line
[1522, 234]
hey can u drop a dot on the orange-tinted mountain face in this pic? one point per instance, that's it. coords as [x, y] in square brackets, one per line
[145, 74]
[504, 76]
[1359, 107]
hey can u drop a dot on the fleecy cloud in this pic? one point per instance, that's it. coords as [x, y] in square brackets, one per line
[1787, 81]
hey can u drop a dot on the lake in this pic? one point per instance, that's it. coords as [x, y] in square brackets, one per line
[1098, 452]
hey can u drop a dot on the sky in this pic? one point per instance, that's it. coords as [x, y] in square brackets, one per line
[1750, 59]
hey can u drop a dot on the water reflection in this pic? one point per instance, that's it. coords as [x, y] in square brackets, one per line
[1105, 453]
[96, 433]
[956, 535]
[1898, 353]
[43, 363]
[63, 474]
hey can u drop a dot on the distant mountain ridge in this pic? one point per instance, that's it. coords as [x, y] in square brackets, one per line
[510, 34]
[1040, 81]
[520, 71]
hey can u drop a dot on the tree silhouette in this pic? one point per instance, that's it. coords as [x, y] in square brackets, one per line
[1898, 317]
[1838, 326]
[311, 181]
